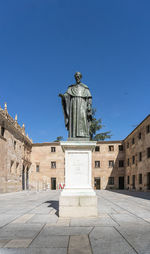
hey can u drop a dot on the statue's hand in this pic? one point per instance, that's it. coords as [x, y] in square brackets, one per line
[60, 95]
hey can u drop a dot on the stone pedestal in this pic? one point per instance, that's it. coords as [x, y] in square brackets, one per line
[78, 199]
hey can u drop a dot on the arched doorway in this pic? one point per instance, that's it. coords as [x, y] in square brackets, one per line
[23, 178]
[27, 178]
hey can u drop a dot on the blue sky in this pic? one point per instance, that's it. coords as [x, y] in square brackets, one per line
[44, 42]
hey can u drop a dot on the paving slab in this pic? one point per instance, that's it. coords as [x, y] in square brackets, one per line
[54, 241]
[100, 221]
[18, 243]
[79, 244]
[58, 230]
[33, 251]
[107, 240]
[24, 218]
[3, 242]
[15, 231]
[43, 218]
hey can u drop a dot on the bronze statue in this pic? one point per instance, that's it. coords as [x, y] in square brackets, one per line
[77, 107]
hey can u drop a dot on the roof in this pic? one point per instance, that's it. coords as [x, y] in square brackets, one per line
[138, 126]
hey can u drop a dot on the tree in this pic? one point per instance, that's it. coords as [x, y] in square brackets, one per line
[96, 125]
[60, 138]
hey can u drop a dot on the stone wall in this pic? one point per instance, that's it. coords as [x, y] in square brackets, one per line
[106, 169]
[137, 142]
[48, 159]
[15, 152]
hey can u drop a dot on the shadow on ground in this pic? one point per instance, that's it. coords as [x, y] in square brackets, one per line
[136, 194]
[54, 204]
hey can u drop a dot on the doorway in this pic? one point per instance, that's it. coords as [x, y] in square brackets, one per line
[133, 181]
[27, 178]
[97, 183]
[121, 182]
[23, 178]
[53, 183]
[148, 180]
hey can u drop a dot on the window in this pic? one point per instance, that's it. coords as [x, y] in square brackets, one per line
[97, 164]
[133, 159]
[128, 162]
[111, 180]
[133, 141]
[148, 152]
[97, 149]
[53, 149]
[140, 156]
[53, 164]
[121, 163]
[148, 129]
[128, 145]
[111, 148]
[140, 135]
[2, 131]
[120, 147]
[128, 180]
[37, 168]
[111, 164]
[14, 145]
[140, 178]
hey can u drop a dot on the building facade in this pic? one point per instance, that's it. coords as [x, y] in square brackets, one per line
[15, 153]
[25, 165]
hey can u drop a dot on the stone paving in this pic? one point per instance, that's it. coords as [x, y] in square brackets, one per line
[29, 224]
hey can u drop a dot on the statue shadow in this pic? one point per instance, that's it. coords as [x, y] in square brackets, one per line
[54, 204]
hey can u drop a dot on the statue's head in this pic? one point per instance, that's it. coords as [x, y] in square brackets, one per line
[78, 77]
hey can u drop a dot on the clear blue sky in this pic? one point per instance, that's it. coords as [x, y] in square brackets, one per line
[44, 42]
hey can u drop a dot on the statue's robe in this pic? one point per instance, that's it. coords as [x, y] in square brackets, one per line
[77, 107]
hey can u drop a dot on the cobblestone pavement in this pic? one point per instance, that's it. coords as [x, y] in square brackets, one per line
[29, 224]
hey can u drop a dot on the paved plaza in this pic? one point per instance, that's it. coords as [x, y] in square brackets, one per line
[29, 223]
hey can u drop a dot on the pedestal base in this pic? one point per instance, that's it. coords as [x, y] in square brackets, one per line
[78, 199]
[78, 206]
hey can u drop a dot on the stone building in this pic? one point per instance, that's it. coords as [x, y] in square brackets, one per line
[137, 157]
[47, 169]
[15, 152]
[40, 166]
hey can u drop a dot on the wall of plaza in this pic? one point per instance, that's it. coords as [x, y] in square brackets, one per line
[48, 165]
[137, 157]
[15, 152]
[25, 165]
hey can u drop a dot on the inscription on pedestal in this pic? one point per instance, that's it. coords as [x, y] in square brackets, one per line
[78, 165]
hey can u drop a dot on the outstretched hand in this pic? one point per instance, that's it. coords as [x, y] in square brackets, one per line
[60, 95]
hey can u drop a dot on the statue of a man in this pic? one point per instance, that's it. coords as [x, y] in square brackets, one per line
[77, 107]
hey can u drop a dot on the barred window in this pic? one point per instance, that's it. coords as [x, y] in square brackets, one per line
[111, 148]
[97, 164]
[97, 149]
[120, 147]
[37, 168]
[133, 159]
[121, 163]
[111, 180]
[140, 156]
[53, 164]
[111, 164]
[53, 149]
[148, 152]
[140, 178]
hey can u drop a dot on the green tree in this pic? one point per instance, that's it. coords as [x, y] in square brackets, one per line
[96, 125]
[60, 138]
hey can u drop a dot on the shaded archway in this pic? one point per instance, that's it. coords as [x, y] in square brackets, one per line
[23, 178]
[27, 178]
